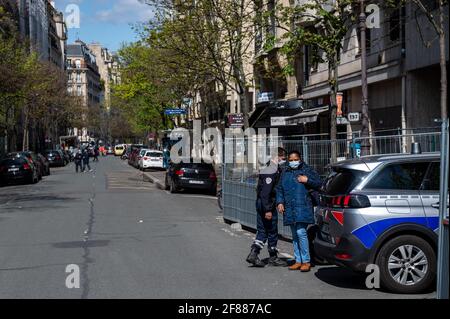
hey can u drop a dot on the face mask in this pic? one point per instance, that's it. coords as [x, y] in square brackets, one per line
[281, 162]
[294, 164]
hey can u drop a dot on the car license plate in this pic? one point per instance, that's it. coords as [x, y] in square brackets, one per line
[196, 182]
[13, 170]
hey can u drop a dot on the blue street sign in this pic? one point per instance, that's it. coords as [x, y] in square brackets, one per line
[174, 112]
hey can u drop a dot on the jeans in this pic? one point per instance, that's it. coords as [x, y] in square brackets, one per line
[300, 242]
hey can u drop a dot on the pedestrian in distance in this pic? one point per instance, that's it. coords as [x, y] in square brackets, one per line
[86, 160]
[78, 158]
[267, 217]
[96, 154]
[295, 203]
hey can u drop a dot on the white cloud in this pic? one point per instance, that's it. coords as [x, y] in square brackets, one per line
[126, 11]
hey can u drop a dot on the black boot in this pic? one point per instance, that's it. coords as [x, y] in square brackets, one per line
[275, 261]
[254, 259]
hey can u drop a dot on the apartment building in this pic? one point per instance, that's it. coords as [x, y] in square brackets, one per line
[108, 68]
[84, 81]
[403, 76]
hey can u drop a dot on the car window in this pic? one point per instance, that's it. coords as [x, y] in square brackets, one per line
[153, 154]
[406, 176]
[342, 181]
[432, 181]
[12, 161]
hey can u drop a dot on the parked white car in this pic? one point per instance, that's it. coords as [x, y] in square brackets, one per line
[151, 159]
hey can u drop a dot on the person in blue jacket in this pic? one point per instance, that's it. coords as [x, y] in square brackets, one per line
[267, 217]
[295, 202]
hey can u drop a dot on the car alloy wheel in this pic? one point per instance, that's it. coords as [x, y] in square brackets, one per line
[408, 265]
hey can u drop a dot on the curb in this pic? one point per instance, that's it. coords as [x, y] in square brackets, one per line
[152, 179]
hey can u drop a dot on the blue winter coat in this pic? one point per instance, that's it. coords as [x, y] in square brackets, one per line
[294, 195]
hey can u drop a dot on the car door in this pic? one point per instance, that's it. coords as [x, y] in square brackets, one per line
[429, 194]
[394, 192]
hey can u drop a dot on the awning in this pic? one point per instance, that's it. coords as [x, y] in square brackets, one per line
[265, 112]
[307, 116]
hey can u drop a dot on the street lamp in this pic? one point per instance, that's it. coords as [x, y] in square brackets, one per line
[365, 144]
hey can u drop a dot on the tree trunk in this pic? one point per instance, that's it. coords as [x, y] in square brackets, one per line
[333, 79]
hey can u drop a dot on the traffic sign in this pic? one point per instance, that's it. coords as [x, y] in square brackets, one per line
[174, 112]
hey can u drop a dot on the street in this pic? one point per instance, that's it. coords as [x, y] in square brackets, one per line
[133, 240]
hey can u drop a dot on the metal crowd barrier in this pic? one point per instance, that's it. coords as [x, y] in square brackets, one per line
[239, 179]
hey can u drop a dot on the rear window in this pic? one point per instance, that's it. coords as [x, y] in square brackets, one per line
[197, 165]
[12, 161]
[342, 181]
[154, 154]
[119, 148]
[406, 176]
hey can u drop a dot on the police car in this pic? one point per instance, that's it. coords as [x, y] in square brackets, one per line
[382, 210]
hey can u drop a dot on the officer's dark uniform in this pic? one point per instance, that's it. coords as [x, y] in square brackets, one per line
[267, 230]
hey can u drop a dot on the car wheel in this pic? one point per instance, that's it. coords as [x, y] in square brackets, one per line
[407, 265]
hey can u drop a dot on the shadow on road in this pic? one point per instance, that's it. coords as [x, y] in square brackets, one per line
[341, 278]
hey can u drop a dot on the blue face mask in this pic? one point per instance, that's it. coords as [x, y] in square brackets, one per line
[294, 164]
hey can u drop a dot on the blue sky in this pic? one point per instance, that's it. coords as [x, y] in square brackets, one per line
[105, 21]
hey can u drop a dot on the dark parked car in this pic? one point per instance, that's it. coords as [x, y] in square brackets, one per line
[33, 158]
[45, 164]
[55, 158]
[189, 175]
[133, 158]
[18, 169]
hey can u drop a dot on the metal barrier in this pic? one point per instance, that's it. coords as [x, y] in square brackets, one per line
[239, 179]
[239, 205]
[394, 144]
[443, 253]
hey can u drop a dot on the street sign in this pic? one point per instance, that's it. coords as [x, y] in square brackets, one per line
[174, 112]
[354, 117]
[265, 96]
[278, 121]
[342, 121]
[235, 120]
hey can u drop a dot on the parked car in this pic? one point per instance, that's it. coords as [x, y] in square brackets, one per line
[133, 156]
[18, 169]
[109, 150]
[33, 158]
[55, 158]
[119, 150]
[151, 159]
[382, 210]
[189, 175]
[45, 164]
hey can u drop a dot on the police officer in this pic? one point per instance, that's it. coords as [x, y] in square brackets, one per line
[267, 216]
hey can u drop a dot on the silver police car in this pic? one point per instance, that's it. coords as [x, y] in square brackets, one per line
[382, 210]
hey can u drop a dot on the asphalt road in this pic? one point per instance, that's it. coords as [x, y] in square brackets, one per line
[132, 240]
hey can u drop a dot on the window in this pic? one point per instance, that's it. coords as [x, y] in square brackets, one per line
[78, 77]
[432, 181]
[70, 90]
[343, 181]
[79, 91]
[78, 64]
[407, 176]
[70, 77]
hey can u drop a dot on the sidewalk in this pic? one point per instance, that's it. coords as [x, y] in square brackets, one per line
[156, 177]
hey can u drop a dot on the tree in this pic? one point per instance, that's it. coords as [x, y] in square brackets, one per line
[216, 37]
[322, 25]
